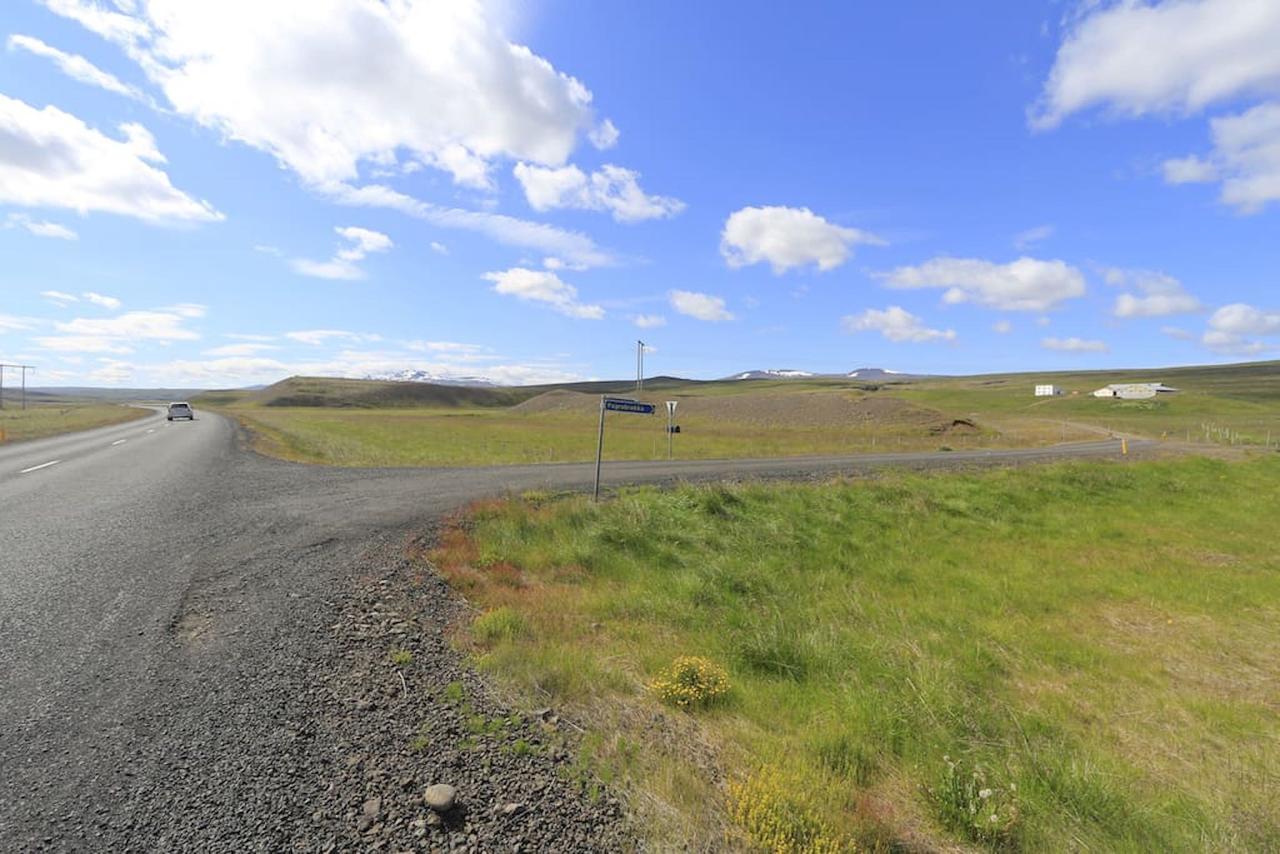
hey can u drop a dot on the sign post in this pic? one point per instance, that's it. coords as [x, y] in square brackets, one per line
[615, 404]
[671, 420]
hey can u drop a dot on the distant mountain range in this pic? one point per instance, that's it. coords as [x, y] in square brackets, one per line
[881, 374]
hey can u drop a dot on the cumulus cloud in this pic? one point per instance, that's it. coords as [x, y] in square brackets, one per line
[1159, 295]
[361, 242]
[701, 306]
[604, 135]
[75, 66]
[40, 228]
[102, 300]
[1074, 345]
[1236, 329]
[1180, 58]
[545, 287]
[788, 237]
[610, 188]
[1026, 284]
[1002, 327]
[49, 158]
[326, 86]
[895, 324]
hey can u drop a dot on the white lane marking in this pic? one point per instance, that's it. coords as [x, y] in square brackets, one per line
[41, 466]
[118, 442]
[152, 430]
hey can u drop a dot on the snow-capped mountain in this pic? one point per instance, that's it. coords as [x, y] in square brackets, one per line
[881, 374]
[777, 374]
[411, 375]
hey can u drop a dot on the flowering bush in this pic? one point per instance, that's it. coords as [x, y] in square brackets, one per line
[976, 806]
[773, 812]
[691, 681]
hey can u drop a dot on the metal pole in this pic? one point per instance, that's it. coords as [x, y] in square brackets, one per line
[24, 386]
[669, 414]
[595, 492]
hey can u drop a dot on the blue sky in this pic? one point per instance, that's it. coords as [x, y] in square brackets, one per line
[227, 195]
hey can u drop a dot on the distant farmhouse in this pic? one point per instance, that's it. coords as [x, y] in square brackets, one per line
[1048, 391]
[1133, 391]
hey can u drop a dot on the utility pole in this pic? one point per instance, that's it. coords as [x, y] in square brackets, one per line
[24, 369]
[639, 366]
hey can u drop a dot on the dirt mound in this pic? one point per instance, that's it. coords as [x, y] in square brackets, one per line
[558, 401]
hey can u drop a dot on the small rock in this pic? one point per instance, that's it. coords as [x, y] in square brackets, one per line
[365, 705]
[511, 809]
[419, 825]
[441, 797]
[364, 823]
[433, 820]
[373, 806]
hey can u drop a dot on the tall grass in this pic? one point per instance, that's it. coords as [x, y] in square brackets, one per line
[39, 420]
[1074, 657]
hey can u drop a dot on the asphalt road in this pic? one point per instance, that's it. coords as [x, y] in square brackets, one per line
[159, 587]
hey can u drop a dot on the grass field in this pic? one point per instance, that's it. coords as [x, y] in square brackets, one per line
[48, 419]
[1078, 657]
[363, 423]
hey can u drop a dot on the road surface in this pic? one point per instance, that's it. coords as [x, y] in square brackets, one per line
[160, 592]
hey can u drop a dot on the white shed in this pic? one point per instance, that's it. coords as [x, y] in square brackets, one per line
[1048, 391]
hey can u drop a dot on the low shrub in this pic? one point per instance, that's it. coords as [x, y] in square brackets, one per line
[691, 681]
[772, 810]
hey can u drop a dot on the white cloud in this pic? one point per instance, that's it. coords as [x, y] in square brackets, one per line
[604, 135]
[456, 348]
[1181, 58]
[231, 350]
[788, 237]
[1188, 170]
[11, 323]
[60, 298]
[1002, 327]
[49, 158]
[1176, 333]
[610, 188]
[895, 324]
[187, 309]
[246, 336]
[1074, 345]
[545, 287]
[700, 306]
[119, 334]
[439, 248]
[1160, 295]
[1234, 329]
[75, 66]
[317, 337]
[1177, 57]
[343, 265]
[1026, 284]
[101, 299]
[649, 321]
[576, 248]
[1246, 158]
[40, 228]
[430, 82]
[1023, 240]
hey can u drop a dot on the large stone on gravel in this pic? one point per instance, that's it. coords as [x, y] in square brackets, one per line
[441, 797]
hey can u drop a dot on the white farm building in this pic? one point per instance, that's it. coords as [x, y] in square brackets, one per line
[1133, 391]
[1048, 391]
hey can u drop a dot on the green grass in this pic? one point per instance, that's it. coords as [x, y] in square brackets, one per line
[363, 423]
[40, 420]
[1092, 646]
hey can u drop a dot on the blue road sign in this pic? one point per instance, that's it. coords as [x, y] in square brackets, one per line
[622, 404]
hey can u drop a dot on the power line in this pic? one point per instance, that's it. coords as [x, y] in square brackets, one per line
[24, 369]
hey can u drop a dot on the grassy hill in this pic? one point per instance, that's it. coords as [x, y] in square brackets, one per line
[368, 422]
